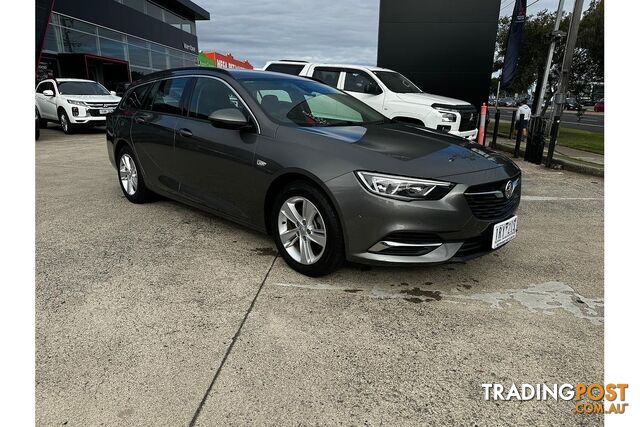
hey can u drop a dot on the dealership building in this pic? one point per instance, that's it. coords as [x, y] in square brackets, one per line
[115, 41]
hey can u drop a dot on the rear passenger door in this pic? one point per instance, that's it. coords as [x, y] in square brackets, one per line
[152, 132]
[327, 75]
[215, 165]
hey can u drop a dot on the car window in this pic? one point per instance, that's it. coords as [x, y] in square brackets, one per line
[359, 81]
[396, 82]
[44, 86]
[293, 69]
[166, 98]
[135, 99]
[308, 103]
[327, 76]
[211, 95]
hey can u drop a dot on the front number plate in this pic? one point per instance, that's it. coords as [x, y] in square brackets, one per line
[106, 111]
[504, 231]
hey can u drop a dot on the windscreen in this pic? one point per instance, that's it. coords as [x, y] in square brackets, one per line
[396, 82]
[299, 102]
[81, 88]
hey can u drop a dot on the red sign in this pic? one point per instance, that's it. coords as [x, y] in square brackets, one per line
[227, 61]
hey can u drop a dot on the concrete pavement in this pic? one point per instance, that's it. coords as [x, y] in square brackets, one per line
[160, 314]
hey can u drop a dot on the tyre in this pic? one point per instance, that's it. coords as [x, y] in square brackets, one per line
[42, 122]
[130, 177]
[306, 230]
[66, 125]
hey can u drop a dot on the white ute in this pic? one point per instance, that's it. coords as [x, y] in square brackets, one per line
[391, 94]
[73, 102]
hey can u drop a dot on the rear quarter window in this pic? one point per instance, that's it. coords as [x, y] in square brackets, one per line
[293, 69]
[135, 98]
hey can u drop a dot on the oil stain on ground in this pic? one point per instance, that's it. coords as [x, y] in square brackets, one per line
[546, 298]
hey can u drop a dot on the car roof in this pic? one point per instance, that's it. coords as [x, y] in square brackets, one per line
[235, 73]
[323, 64]
[73, 80]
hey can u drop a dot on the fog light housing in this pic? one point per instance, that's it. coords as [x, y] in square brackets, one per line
[74, 111]
[443, 128]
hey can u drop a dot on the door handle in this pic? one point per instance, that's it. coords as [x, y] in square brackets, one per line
[185, 132]
[141, 120]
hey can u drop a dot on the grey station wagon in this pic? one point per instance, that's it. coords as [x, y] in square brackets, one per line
[329, 177]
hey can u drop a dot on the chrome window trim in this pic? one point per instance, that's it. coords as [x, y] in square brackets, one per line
[208, 77]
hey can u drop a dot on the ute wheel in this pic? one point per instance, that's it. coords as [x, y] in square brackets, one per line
[307, 230]
[42, 122]
[130, 177]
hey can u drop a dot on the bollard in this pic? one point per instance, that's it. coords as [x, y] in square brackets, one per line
[516, 151]
[553, 137]
[483, 118]
[513, 123]
[496, 123]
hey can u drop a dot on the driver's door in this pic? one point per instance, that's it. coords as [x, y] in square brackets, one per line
[361, 85]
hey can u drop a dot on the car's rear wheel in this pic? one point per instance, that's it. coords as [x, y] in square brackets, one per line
[130, 178]
[307, 230]
[66, 125]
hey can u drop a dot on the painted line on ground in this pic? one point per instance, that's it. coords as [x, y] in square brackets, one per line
[553, 199]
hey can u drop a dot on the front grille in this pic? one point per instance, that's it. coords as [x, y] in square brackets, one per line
[468, 120]
[102, 104]
[487, 205]
[476, 245]
[95, 113]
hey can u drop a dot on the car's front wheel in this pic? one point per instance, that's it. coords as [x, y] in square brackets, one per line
[307, 230]
[130, 178]
[66, 125]
[41, 122]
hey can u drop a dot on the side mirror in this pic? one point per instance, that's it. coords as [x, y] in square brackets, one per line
[372, 89]
[113, 92]
[47, 92]
[229, 118]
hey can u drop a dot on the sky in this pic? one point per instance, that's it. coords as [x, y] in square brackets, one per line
[337, 31]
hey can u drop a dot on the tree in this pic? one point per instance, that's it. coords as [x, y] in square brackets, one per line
[588, 61]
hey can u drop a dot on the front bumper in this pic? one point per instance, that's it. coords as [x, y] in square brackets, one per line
[79, 115]
[470, 134]
[431, 231]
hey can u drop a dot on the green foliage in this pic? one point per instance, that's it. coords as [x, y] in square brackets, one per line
[588, 61]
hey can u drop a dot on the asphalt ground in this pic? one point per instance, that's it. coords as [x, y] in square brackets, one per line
[590, 121]
[160, 314]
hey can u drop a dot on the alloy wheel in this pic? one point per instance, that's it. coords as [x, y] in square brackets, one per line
[64, 123]
[302, 230]
[128, 174]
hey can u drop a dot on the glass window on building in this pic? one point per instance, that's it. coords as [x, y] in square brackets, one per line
[155, 11]
[112, 49]
[158, 60]
[139, 56]
[51, 39]
[138, 5]
[77, 42]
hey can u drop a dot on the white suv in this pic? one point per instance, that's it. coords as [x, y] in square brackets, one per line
[73, 102]
[391, 94]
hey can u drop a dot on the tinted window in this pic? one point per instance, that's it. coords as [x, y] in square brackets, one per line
[328, 76]
[81, 88]
[359, 81]
[44, 86]
[293, 69]
[210, 95]
[396, 82]
[135, 98]
[299, 102]
[166, 98]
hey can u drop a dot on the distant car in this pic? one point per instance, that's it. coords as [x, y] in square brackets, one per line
[391, 94]
[506, 102]
[73, 103]
[599, 107]
[572, 104]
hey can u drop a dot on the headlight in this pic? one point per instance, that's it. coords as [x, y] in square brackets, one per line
[80, 103]
[398, 187]
[447, 116]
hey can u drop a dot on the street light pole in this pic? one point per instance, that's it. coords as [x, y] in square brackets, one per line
[560, 95]
[547, 70]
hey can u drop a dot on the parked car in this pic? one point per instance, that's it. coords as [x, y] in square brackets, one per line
[328, 176]
[73, 103]
[599, 107]
[572, 104]
[391, 94]
[507, 102]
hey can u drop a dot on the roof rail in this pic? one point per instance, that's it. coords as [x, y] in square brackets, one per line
[292, 60]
